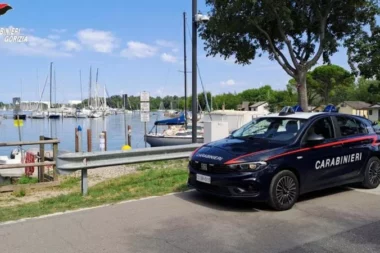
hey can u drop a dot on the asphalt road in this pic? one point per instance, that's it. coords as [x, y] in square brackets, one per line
[337, 220]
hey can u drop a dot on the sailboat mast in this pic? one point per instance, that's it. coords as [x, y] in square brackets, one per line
[80, 82]
[96, 89]
[55, 90]
[51, 83]
[184, 61]
[90, 89]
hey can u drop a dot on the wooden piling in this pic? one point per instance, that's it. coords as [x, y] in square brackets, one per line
[41, 169]
[89, 140]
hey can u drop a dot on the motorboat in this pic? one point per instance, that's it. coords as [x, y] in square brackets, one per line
[177, 133]
[37, 115]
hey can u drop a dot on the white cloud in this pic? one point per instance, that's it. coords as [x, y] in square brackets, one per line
[70, 45]
[58, 30]
[168, 58]
[229, 82]
[54, 37]
[35, 46]
[175, 50]
[97, 40]
[137, 49]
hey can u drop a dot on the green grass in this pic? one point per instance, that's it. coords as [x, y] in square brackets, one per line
[69, 183]
[144, 183]
[27, 180]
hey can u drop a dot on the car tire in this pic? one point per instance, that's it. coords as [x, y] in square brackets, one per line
[283, 191]
[372, 173]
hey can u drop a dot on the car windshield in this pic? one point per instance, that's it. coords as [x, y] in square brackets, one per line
[277, 129]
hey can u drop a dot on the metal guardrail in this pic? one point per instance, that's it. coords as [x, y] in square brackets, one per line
[83, 161]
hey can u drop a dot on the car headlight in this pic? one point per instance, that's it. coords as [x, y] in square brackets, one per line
[248, 166]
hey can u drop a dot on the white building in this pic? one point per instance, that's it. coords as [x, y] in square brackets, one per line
[374, 112]
[261, 108]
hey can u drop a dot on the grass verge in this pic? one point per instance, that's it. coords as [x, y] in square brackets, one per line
[143, 183]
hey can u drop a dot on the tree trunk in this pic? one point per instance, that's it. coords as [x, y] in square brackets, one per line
[302, 90]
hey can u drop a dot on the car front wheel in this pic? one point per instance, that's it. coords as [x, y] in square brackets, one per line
[372, 173]
[284, 190]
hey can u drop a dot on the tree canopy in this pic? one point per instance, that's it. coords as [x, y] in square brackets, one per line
[364, 52]
[295, 33]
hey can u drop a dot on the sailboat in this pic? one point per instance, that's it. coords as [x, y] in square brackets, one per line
[178, 131]
[52, 114]
[38, 113]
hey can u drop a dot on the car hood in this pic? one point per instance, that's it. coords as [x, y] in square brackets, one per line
[232, 149]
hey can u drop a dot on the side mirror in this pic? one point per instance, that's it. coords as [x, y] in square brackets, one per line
[315, 139]
[374, 123]
[233, 132]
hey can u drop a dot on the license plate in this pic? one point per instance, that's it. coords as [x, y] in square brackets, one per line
[204, 179]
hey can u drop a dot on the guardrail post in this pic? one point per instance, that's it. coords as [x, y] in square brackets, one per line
[84, 176]
[41, 169]
[55, 155]
[84, 183]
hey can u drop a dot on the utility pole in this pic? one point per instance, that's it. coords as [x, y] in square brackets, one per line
[194, 106]
[184, 61]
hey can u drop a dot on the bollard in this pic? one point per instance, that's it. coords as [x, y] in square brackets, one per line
[105, 140]
[129, 136]
[102, 144]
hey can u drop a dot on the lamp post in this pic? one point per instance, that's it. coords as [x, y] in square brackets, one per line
[194, 104]
[196, 19]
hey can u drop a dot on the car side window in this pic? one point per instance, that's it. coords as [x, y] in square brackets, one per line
[323, 127]
[349, 126]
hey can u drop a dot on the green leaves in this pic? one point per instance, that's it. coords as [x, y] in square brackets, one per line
[295, 33]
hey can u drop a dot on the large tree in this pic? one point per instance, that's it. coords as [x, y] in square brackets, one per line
[329, 78]
[295, 33]
[364, 52]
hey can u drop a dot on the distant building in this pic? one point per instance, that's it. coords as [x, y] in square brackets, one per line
[374, 112]
[261, 107]
[74, 102]
[359, 108]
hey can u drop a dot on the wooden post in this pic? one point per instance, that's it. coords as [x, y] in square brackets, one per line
[41, 169]
[129, 136]
[105, 140]
[55, 155]
[76, 140]
[89, 140]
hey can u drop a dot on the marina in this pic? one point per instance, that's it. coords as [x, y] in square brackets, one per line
[64, 129]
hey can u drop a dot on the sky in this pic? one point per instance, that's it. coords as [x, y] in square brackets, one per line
[136, 45]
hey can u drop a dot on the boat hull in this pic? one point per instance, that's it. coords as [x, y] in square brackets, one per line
[20, 116]
[160, 141]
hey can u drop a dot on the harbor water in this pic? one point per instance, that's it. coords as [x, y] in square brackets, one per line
[64, 130]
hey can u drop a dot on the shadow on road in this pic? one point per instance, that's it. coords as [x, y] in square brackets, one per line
[233, 205]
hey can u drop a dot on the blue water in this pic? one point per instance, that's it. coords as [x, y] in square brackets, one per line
[64, 130]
